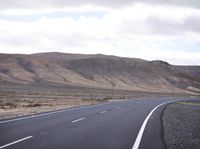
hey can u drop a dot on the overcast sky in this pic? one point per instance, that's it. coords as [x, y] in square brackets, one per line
[149, 29]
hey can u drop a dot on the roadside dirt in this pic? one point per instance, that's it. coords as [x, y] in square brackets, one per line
[19, 100]
[29, 107]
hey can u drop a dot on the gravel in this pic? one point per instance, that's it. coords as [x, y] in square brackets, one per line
[181, 124]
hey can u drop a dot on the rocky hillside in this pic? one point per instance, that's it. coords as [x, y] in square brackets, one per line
[99, 71]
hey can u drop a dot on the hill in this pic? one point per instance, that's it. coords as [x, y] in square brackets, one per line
[99, 71]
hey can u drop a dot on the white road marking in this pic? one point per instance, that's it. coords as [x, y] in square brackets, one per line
[139, 136]
[49, 113]
[9, 144]
[34, 116]
[103, 112]
[78, 120]
[118, 107]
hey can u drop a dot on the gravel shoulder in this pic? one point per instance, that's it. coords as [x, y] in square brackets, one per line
[181, 124]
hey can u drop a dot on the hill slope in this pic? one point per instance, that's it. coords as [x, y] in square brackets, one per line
[99, 71]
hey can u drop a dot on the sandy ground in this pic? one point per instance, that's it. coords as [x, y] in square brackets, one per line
[181, 123]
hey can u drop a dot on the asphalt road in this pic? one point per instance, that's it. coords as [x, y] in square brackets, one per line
[114, 125]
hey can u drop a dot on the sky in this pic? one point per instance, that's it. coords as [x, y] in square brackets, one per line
[166, 30]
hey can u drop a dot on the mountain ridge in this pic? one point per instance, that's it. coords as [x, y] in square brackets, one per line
[97, 70]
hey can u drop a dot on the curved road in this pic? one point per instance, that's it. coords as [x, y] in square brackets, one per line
[113, 125]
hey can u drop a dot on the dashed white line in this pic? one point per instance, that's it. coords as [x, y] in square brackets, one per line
[39, 115]
[80, 119]
[139, 136]
[103, 112]
[20, 140]
[49, 113]
[118, 107]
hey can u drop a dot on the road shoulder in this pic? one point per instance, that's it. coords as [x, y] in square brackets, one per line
[181, 125]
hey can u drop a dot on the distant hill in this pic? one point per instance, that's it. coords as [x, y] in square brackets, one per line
[99, 71]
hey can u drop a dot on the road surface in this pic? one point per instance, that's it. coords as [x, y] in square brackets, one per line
[113, 125]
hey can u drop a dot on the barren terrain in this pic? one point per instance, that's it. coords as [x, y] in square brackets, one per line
[48, 81]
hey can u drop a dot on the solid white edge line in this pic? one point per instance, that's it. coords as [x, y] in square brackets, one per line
[20, 140]
[78, 120]
[141, 131]
[49, 113]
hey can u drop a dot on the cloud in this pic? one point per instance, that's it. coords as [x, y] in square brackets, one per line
[38, 4]
[155, 25]
[147, 20]
[192, 24]
[144, 31]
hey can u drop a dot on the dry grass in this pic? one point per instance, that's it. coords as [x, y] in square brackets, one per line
[25, 100]
[25, 107]
[189, 103]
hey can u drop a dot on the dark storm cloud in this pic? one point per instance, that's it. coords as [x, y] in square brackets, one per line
[9, 4]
